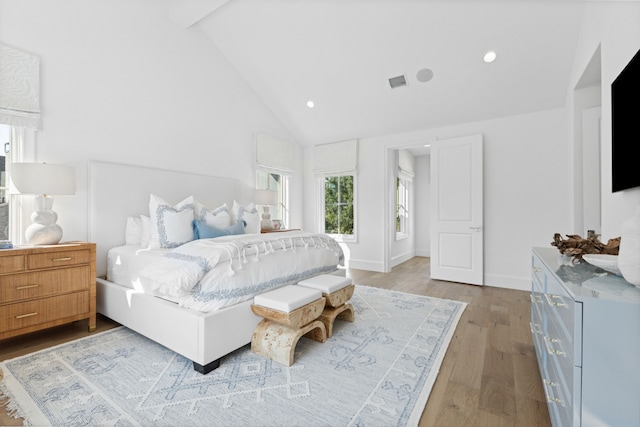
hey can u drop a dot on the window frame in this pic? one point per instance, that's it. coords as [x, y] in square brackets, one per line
[403, 201]
[282, 189]
[320, 182]
[22, 148]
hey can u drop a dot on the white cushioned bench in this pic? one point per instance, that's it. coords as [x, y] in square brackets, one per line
[289, 313]
[337, 290]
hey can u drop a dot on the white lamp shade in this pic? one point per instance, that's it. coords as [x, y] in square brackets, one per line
[43, 178]
[266, 197]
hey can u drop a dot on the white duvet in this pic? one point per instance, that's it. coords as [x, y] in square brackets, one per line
[209, 274]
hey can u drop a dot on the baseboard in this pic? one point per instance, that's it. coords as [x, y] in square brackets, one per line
[365, 265]
[509, 282]
[495, 280]
[423, 252]
[399, 259]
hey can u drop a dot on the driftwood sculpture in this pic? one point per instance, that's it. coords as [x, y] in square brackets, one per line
[575, 246]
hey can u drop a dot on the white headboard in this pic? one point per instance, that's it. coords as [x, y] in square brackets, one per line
[117, 191]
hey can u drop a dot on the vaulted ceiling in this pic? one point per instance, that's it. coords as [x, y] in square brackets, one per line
[341, 53]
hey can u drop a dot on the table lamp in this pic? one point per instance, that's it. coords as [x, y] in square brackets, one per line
[266, 198]
[43, 180]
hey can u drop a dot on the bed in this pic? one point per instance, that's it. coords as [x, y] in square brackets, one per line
[191, 296]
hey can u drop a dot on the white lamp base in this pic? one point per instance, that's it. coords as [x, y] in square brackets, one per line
[266, 223]
[44, 230]
[40, 234]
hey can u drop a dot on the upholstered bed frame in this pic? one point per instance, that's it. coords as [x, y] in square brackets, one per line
[117, 191]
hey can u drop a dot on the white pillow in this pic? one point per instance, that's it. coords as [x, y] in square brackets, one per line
[220, 217]
[170, 225]
[145, 237]
[133, 231]
[249, 214]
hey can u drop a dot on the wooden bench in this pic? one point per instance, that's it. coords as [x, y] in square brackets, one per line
[289, 313]
[337, 290]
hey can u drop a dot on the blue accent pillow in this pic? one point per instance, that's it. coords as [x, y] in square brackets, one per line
[202, 230]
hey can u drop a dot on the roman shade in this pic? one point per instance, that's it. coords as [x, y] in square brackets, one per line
[336, 158]
[275, 154]
[19, 88]
[405, 165]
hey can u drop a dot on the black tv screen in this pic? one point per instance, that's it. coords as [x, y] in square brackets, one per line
[625, 127]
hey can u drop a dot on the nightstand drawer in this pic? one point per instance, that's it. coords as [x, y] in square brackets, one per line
[58, 259]
[43, 283]
[12, 264]
[22, 315]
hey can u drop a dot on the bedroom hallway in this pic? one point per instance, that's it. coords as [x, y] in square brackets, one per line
[489, 376]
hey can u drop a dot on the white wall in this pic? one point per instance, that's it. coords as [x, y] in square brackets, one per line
[530, 175]
[422, 217]
[403, 249]
[615, 26]
[122, 83]
[527, 193]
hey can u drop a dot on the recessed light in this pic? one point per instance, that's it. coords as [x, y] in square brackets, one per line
[310, 104]
[424, 75]
[490, 56]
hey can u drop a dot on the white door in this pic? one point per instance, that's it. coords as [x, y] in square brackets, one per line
[456, 210]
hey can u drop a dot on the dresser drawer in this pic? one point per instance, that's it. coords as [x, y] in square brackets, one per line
[539, 275]
[564, 322]
[25, 314]
[43, 283]
[12, 264]
[538, 334]
[58, 259]
[562, 388]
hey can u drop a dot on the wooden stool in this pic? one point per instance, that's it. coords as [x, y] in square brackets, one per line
[337, 290]
[290, 313]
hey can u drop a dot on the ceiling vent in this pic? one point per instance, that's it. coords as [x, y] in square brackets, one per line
[399, 81]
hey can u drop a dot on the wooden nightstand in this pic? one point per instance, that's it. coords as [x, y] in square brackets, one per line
[45, 286]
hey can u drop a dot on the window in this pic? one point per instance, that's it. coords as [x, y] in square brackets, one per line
[402, 207]
[279, 183]
[5, 149]
[339, 206]
[16, 145]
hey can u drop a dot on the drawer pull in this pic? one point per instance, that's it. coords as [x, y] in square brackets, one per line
[19, 288]
[61, 259]
[535, 328]
[22, 316]
[548, 341]
[550, 297]
[535, 299]
[548, 395]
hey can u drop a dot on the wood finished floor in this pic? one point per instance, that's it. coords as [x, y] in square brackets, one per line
[489, 376]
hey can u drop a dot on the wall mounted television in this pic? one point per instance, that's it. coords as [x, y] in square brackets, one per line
[625, 127]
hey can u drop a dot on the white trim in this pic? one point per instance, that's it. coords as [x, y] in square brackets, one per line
[344, 238]
[23, 144]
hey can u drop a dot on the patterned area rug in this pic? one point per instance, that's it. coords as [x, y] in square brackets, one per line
[377, 371]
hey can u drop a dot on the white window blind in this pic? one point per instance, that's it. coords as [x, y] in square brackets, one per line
[275, 154]
[336, 158]
[405, 165]
[19, 88]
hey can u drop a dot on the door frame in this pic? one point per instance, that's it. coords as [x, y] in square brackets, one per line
[389, 209]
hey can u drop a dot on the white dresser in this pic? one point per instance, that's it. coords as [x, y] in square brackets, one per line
[586, 331]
